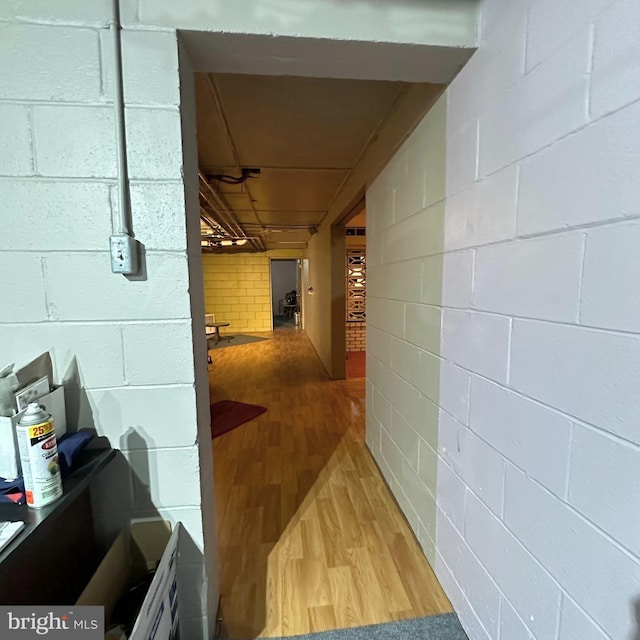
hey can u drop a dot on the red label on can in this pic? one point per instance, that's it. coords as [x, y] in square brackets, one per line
[49, 444]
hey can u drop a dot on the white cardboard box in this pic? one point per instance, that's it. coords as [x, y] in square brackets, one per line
[53, 403]
[152, 546]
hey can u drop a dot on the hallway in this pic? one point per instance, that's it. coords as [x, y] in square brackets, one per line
[309, 537]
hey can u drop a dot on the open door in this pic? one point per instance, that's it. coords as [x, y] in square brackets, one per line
[285, 293]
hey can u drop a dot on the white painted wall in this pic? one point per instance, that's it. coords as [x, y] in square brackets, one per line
[317, 304]
[125, 348]
[538, 365]
[200, 568]
[434, 22]
[408, 40]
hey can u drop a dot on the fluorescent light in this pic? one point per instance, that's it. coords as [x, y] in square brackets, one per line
[219, 242]
[233, 243]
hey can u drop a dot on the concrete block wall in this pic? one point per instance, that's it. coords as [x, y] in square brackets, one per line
[237, 289]
[123, 347]
[404, 293]
[533, 383]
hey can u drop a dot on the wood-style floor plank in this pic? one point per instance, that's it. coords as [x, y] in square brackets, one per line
[322, 618]
[309, 537]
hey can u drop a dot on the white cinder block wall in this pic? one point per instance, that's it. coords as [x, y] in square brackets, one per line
[123, 347]
[534, 526]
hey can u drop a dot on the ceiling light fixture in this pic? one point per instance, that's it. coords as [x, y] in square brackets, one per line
[218, 242]
[233, 243]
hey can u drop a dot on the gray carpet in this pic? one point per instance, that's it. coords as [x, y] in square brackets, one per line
[282, 322]
[443, 627]
[233, 341]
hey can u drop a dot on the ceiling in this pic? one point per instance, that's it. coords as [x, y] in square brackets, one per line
[306, 135]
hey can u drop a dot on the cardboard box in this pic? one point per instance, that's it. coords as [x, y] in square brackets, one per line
[152, 545]
[53, 403]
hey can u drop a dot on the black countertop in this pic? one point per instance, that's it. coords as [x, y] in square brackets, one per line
[90, 463]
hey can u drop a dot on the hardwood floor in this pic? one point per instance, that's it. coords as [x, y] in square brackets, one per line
[309, 537]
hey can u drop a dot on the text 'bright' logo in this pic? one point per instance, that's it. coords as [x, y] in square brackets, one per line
[46, 622]
[42, 625]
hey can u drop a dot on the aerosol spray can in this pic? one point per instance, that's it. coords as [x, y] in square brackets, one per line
[39, 457]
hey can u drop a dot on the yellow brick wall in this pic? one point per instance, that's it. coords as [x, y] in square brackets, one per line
[237, 289]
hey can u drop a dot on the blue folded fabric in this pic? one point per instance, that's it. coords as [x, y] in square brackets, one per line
[69, 447]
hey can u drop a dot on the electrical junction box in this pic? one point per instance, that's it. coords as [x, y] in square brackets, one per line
[125, 254]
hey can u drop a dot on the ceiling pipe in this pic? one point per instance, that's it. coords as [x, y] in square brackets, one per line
[287, 227]
[223, 215]
[222, 211]
[219, 235]
[215, 221]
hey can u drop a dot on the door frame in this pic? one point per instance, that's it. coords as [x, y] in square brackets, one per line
[298, 262]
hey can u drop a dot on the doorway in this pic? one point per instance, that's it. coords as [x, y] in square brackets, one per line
[278, 203]
[285, 293]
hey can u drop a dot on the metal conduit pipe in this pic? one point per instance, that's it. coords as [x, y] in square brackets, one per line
[123, 221]
[215, 220]
[219, 206]
[125, 253]
[224, 216]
